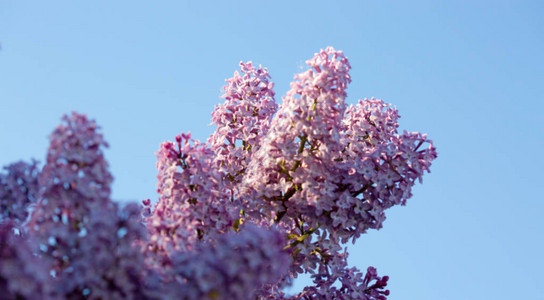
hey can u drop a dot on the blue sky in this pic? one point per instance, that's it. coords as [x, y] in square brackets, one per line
[468, 73]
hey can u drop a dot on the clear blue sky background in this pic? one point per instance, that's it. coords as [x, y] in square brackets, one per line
[468, 73]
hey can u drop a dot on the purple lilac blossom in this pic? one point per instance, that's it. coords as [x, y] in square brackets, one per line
[193, 202]
[74, 181]
[293, 172]
[83, 236]
[242, 120]
[319, 171]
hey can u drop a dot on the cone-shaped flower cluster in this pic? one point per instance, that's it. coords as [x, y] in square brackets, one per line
[75, 182]
[193, 203]
[295, 171]
[242, 120]
[81, 235]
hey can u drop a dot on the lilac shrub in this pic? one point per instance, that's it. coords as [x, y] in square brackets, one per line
[276, 191]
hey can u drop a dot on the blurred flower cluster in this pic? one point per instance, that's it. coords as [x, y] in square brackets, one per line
[276, 191]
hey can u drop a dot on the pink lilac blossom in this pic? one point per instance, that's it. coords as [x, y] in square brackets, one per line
[18, 189]
[294, 177]
[352, 286]
[380, 166]
[293, 174]
[242, 120]
[335, 280]
[193, 202]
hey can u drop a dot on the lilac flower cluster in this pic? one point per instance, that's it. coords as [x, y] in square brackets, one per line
[242, 121]
[324, 173]
[294, 171]
[276, 191]
[381, 165]
[74, 183]
[193, 203]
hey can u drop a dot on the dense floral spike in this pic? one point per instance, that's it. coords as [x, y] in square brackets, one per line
[74, 182]
[242, 120]
[193, 203]
[379, 165]
[293, 171]
[235, 266]
[22, 275]
[18, 189]
[294, 176]
[85, 238]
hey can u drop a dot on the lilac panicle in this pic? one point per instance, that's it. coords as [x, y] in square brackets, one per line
[74, 181]
[192, 204]
[85, 239]
[18, 189]
[337, 281]
[293, 166]
[242, 120]
[379, 165]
